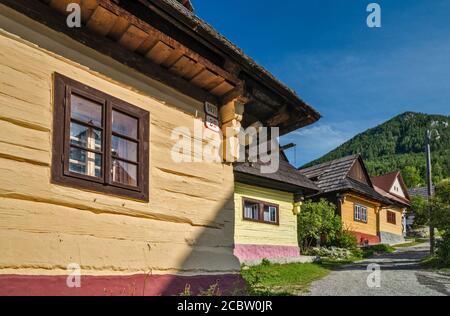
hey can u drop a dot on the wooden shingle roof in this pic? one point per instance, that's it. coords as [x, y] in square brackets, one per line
[421, 192]
[333, 176]
[287, 178]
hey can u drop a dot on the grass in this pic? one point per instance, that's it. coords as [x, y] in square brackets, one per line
[371, 251]
[283, 280]
[287, 279]
[294, 279]
[433, 263]
[412, 243]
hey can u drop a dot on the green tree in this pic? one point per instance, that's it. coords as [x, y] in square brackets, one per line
[411, 176]
[440, 218]
[318, 222]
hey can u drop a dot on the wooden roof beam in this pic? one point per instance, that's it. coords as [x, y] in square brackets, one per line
[41, 12]
[168, 40]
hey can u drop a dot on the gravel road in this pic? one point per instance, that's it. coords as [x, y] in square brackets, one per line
[400, 275]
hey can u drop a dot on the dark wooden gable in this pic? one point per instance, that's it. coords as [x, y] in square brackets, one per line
[358, 172]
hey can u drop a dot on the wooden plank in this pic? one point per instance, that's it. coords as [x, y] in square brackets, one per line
[183, 66]
[146, 45]
[87, 9]
[205, 78]
[159, 53]
[133, 38]
[43, 14]
[61, 5]
[168, 40]
[222, 89]
[194, 71]
[172, 59]
[214, 83]
[120, 27]
[102, 21]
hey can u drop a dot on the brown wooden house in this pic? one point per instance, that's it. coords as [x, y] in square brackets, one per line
[346, 183]
[392, 219]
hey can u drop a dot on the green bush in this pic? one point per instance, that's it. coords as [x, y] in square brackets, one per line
[371, 251]
[317, 224]
[358, 253]
[345, 239]
[443, 250]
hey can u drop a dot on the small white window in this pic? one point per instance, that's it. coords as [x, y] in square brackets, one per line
[251, 210]
[270, 214]
[259, 211]
[360, 213]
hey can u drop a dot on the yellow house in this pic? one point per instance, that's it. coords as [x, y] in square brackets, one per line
[266, 209]
[392, 219]
[346, 183]
[89, 186]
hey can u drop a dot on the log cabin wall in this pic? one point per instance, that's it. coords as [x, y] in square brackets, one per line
[391, 232]
[186, 228]
[364, 231]
[256, 241]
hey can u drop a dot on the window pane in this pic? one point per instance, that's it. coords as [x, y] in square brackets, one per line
[270, 214]
[266, 214]
[125, 125]
[86, 163]
[251, 210]
[86, 110]
[124, 173]
[273, 214]
[86, 137]
[124, 149]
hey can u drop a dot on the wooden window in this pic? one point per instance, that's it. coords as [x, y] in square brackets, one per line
[360, 213]
[100, 143]
[391, 218]
[262, 212]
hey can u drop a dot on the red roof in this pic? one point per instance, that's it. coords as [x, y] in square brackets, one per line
[392, 197]
[386, 181]
[383, 185]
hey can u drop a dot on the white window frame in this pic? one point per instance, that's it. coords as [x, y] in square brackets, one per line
[360, 213]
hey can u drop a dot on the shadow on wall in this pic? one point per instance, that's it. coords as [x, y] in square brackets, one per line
[209, 268]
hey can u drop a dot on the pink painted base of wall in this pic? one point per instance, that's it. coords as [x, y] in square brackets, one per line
[259, 252]
[364, 238]
[136, 285]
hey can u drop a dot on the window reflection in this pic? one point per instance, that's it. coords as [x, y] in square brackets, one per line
[86, 137]
[124, 173]
[124, 149]
[125, 125]
[86, 111]
[85, 162]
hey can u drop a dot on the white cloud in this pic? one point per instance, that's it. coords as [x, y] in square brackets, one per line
[315, 141]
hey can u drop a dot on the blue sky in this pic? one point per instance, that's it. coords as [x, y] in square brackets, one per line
[356, 77]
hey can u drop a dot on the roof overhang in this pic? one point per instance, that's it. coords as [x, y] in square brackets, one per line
[268, 183]
[167, 42]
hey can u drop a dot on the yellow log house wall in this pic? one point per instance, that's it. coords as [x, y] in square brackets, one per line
[252, 233]
[347, 214]
[187, 227]
[388, 227]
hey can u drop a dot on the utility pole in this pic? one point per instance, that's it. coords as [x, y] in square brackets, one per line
[428, 139]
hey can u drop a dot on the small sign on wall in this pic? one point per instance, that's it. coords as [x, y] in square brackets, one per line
[212, 123]
[212, 110]
[212, 117]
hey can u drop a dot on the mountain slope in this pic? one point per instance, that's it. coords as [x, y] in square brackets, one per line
[398, 144]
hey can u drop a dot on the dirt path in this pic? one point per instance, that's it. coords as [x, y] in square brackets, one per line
[400, 274]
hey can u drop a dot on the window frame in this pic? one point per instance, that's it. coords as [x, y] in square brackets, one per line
[62, 91]
[391, 217]
[360, 220]
[261, 207]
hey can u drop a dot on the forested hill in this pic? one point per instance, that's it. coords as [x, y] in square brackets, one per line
[398, 144]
